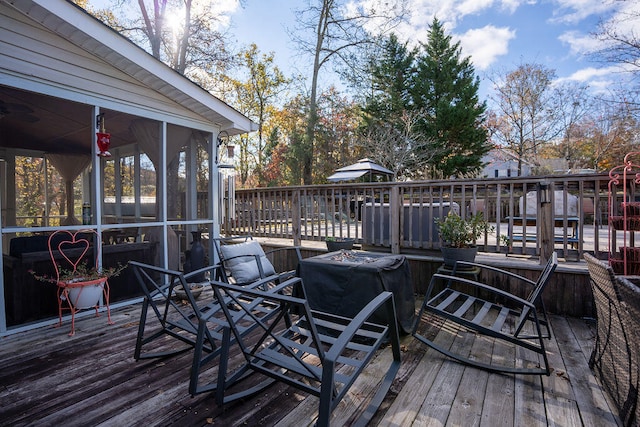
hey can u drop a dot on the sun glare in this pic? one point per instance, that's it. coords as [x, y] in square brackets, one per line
[174, 21]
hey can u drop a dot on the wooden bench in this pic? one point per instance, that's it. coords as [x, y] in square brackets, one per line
[572, 223]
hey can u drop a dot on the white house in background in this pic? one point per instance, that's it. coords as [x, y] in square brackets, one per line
[501, 162]
[62, 74]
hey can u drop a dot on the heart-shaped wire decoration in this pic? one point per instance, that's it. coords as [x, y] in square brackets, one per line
[75, 241]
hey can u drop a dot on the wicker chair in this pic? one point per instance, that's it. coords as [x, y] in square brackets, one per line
[629, 294]
[612, 358]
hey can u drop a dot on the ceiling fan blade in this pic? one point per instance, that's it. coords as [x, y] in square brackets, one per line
[15, 108]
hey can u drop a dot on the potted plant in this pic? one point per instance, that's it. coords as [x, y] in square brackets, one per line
[336, 243]
[459, 235]
[84, 284]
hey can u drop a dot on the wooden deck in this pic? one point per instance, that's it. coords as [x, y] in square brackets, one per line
[48, 378]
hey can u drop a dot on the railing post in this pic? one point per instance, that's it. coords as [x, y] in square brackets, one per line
[295, 218]
[395, 210]
[546, 220]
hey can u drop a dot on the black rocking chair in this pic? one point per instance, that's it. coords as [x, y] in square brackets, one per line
[316, 352]
[173, 317]
[501, 315]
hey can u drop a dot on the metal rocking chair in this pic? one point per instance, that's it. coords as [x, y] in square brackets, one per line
[501, 315]
[195, 322]
[318, 353]
[173, 317]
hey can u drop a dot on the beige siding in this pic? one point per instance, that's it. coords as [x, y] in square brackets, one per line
[32, 51]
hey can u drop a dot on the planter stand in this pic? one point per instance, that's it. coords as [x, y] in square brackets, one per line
[78, 294]
[82, 295]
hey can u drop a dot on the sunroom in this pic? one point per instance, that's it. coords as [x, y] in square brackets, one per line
[65, 81]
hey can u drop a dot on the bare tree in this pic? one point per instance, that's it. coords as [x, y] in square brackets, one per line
[338, 27]
[619, 36]
[183, 34]
[614, 129]
[571, 104]
[525, 119]
[393, 144]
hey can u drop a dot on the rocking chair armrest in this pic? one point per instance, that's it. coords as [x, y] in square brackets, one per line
[367, 311]
[199, 271]
[479, 285]
[496, 270]
[155, 268]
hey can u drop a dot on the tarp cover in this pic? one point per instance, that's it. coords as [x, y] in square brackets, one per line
[345, 287]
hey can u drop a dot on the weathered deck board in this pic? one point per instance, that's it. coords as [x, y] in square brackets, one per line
[529, 405]
[562, 409]
[466, 409]
[588, 396]
[499, 408]
[406, 405]
[437, 403]
[49, 378]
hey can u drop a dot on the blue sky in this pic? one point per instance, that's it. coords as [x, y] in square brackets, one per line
[499, 35]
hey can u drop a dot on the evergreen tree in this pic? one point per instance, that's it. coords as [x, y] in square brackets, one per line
[392, 76]
[389, 134]
[446, 89]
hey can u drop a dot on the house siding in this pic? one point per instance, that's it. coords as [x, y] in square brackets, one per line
[32, 54]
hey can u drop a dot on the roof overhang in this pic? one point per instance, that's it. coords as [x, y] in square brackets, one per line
[346, 175]
[90, 34]
[367, 166]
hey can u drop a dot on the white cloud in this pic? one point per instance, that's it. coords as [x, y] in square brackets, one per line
[448, 12]
[599, 80]
[512, 5]
[626, 18]
[573, 11]
[590, 73]
[469, 7]
[579, 43]
[486, 44]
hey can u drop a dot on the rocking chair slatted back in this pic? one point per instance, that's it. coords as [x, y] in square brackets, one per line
[536, 293]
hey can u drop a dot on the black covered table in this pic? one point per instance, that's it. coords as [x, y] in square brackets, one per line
[344, 282]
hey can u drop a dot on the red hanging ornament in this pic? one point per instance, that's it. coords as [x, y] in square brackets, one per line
[104, 138]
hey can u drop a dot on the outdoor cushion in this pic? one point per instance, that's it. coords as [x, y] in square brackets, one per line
[240, 260]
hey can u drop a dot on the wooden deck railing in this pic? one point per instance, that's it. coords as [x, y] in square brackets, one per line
[564, 213]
